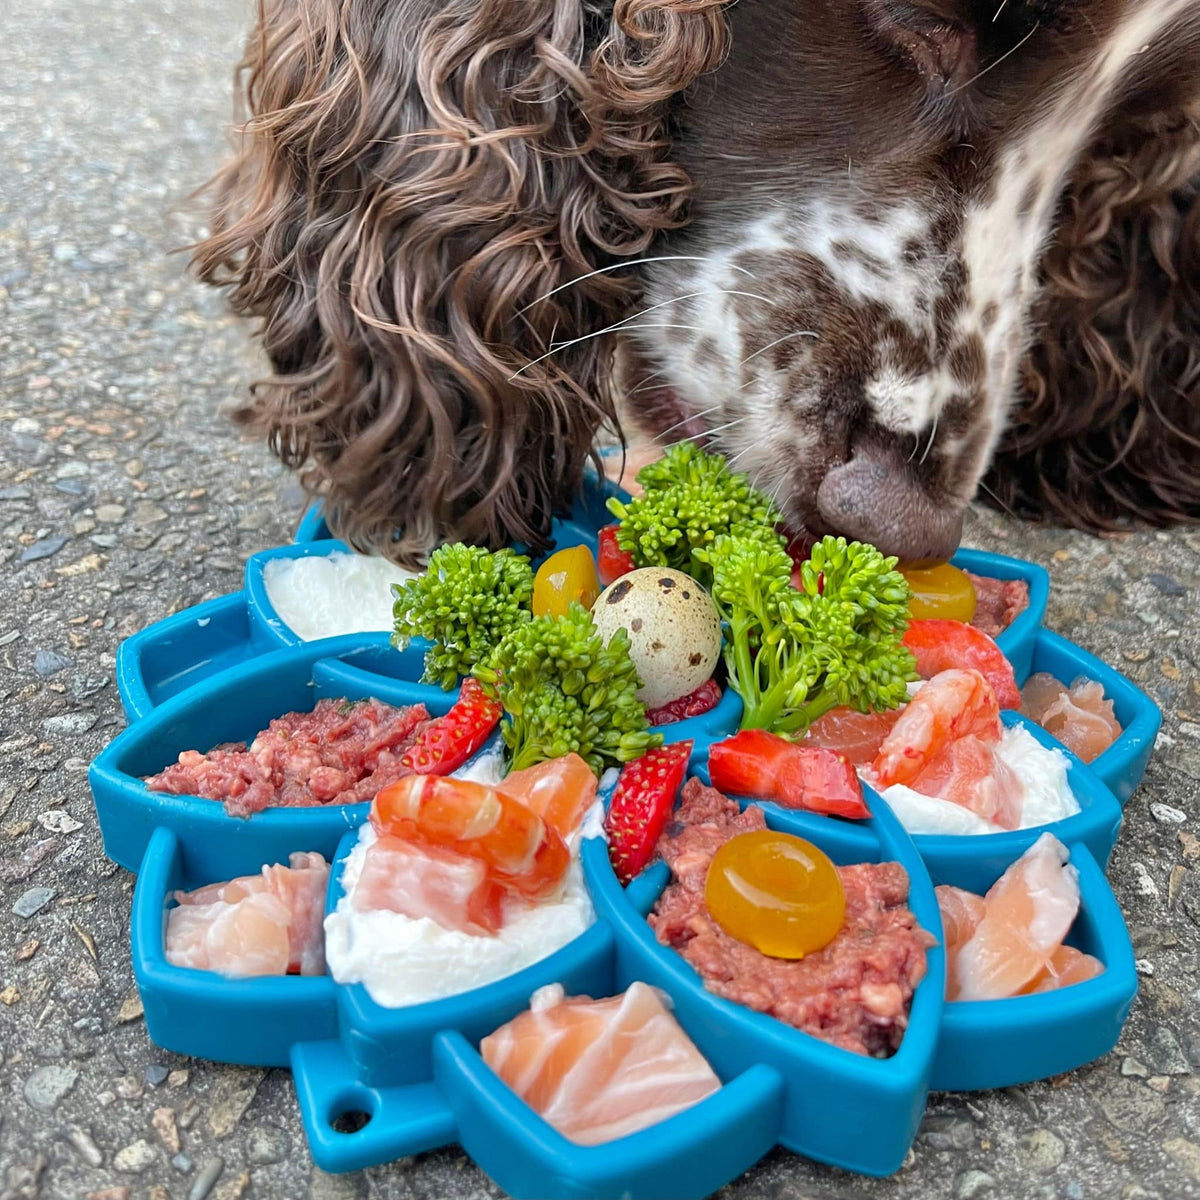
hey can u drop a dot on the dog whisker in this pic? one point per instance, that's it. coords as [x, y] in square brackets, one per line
[932, 435]
[661, 304]
[626, 265]
[690, 417]
[787, 336]
[980, 74]
[599, 333]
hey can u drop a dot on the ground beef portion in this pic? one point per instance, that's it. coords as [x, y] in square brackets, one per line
[855, 993]
[998, 602]
[343, 752]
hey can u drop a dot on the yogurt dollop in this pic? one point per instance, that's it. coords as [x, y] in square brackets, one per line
[325, 595]
[405, 960]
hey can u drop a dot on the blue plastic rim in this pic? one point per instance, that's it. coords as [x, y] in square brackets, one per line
[253, 1022]
[222, 670]
[1000, 1043]
[234, 706]
[822, 1083]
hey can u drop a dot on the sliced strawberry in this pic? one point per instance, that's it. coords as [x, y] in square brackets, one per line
[748, 764]
[820, 780]
[704, 699]
[761, 764]
[941, 645]
[611, 561]
[641, 804]
[447, 742]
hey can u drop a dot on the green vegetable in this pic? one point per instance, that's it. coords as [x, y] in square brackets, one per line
[793, 654]
[465, 603]
[690, 499]
[565, 691]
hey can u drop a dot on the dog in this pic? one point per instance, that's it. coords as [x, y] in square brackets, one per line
[881, 253]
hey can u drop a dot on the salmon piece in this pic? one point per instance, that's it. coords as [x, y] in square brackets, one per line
[940, 645]
[520, 850]
[1079, 716]
[265, 924]
[968, 772]
[857, 736]
[1030, 909]
[961, 913]
[597, 1070]
[1066, 966]
[953, 704]
[560, 791]
[424, 881]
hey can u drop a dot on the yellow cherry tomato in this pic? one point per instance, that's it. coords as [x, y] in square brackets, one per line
[776, 892]
[565, 576]
[940, 591]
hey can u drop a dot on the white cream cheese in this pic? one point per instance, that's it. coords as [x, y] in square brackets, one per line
[324, 595]
[404, 960]
[1042, 772]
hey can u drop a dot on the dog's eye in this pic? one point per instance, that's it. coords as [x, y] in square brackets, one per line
[933, 37]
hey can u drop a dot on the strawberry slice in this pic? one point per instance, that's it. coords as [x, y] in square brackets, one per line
[764, 765]
[704, 699]
[447, 742]
[821, 780]
[942, 645]
[643, 800]
[611, 561]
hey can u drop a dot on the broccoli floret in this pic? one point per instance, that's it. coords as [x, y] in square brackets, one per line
[793, 654]
[565, 691]
[465, 603]
[690, 498]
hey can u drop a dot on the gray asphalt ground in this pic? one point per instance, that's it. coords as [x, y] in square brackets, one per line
[124, 497]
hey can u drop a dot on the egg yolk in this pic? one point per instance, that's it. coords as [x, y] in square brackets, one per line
[776, 892]
[565, 576]
[940, 591]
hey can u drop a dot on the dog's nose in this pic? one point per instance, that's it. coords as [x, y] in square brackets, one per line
[875, 497]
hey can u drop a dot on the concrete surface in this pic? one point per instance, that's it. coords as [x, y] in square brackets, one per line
[124, 497]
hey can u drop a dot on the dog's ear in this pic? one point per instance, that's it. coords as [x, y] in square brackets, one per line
[421, 196]
[1107, 427]
[934, 37]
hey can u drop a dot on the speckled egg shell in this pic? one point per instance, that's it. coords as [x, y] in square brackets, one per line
[674, 630]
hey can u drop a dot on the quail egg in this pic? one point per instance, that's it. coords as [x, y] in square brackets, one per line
[674, 630]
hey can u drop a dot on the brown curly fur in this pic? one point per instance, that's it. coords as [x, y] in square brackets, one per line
[413, 175]
[1108, 425]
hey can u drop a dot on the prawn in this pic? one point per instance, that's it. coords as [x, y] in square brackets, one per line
[521, 850]
[950, 706]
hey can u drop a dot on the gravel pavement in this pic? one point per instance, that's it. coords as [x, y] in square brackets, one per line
[124, 496]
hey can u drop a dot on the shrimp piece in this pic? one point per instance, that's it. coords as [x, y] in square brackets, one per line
[560, 791]
[968, 773]
[951, 705]
[520, 850]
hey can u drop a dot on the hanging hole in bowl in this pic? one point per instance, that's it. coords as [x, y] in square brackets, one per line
[351, 1112]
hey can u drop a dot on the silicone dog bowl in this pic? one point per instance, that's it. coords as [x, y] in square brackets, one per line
[999, 1043]
[254, 1022]
[1123, 764]
[375, 1084]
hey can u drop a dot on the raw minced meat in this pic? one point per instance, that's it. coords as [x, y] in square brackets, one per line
[343, 752]
[998, 603]
[855, 993]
